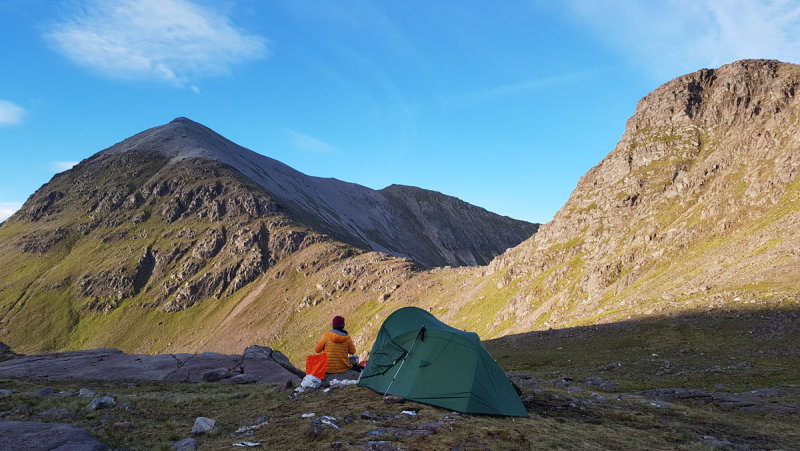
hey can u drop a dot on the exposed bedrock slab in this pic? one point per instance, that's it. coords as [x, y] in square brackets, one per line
[261, 362]
[37, 436]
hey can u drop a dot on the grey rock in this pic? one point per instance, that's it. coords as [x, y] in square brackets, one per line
[413, 433]
[5, 392]
[768, 392]
[86, 392]
[46, 436]
[104, 402]
[244, 379]
[187, 444]
[367, 415]
[5, 350]
[46, 391]
[65, 394]
[57, 413]
[598, 398]
[432, 426]
[575, 389]
[22, 409]
[381, 432]
[380, 445]
[216, 374]
[113, 365]
[193, 369]
[608, 387]
[204, 425]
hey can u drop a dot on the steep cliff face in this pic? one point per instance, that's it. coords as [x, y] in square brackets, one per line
[698, 204]
[451, 229]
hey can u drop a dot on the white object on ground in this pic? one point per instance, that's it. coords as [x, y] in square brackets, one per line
[336, 383]
[308, 415]
[408, 412]
[244, 429]
[310, 381]
[329, 421]
[247, 444]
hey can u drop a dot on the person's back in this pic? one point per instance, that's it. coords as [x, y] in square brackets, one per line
[338, 345]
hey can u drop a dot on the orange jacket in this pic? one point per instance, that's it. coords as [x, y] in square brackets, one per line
[338, 346]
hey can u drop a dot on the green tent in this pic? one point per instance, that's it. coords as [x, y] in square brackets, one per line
[423, 359]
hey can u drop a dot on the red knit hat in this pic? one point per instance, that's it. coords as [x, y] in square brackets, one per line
[338, 321]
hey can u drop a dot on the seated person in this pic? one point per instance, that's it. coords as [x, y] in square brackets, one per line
[338, 345]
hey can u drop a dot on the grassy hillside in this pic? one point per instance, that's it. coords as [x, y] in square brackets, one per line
[725, 354]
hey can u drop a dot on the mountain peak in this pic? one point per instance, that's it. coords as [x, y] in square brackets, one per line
[183, 120]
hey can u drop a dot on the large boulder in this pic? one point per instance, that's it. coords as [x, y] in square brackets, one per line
[37, 436]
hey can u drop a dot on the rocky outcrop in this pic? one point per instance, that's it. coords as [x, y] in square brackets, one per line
[5, 351]
[34, 435]
[262, 363]
[698, 200]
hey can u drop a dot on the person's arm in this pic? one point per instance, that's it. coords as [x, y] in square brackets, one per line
[320, 345]
[351, 348]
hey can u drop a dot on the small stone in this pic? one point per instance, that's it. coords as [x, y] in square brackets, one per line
[46, 391]
[6, 392]
[575, 389]
[393, 399]
[380, 445]
[203, 425]
[598, 398]
[187, 444]
[381, 432]
[244, 379]
[287, 385]
[85, 392]
[102, 403]
[431, 426]
[123, 425]
[366, 415]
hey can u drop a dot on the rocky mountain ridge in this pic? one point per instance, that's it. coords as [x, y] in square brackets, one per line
[697, 207]
[699, 200]
[429, 227]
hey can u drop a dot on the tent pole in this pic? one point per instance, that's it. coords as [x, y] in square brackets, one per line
[420, 333]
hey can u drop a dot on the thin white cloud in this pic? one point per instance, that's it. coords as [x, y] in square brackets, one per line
[669, 38]
[10, 114]
[62, 166]
[306, 142]
[167, 40]
[8, 208]
[528, 85]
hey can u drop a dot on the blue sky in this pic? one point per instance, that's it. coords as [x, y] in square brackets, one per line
[502, 104]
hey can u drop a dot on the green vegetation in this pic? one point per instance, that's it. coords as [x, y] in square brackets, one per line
[732, 351]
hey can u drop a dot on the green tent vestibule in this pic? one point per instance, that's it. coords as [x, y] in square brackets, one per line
[420, 358]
